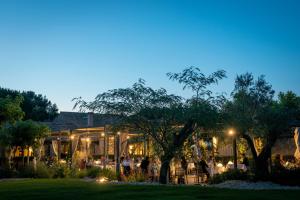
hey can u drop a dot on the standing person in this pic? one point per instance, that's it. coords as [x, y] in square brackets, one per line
[126, 165]
[154, 171]
[203, 165]
[184, 164]
[211, 165]
[245, 161]
[145, 165]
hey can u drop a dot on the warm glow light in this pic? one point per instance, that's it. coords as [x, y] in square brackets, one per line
[102, 180]
[97, 162]
[215, 140]
[119, 133]
[230, 163]
[128, 137]
[87, 139]
[72, 137]
[102, 134]
[130, 147]
[231, 132]
[220, 165]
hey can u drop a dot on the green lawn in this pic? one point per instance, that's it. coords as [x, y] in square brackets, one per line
[76, 189]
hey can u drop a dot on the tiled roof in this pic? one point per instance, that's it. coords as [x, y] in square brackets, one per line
[75, 120]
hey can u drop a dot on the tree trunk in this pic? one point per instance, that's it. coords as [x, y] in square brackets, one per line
[165, 169]
[261, 168]
[261, 161]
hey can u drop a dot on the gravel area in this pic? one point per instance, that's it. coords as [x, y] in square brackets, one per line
[244, 185]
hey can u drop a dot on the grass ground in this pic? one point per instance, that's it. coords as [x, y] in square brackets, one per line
[75, 189]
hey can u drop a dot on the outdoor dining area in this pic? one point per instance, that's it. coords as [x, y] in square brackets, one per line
[93, 145]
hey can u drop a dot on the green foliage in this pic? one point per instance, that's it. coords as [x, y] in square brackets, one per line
[166, 118]
[76, 173]
[43, 171]
[96, 172]
[136, 177]
[35, 106]
[10, 110]
[231, 175]
[242, 146]
[23, 133]
[108, 173]
[60, 170]
[93, 172]
[249, 99]
[253, 112]
[192, 78]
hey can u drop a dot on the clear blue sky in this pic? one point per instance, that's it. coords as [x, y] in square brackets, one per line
[66, 49]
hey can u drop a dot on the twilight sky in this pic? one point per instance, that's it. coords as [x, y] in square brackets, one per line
[71, 48]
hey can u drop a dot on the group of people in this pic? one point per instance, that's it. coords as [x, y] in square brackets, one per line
[149, 167]
[209, 167]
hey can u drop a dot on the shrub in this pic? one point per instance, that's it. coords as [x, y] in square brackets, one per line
[42, 171]
[93, 172]
[231, 175]
[136, 177]
[287, 177]
[26, 172]
[7, 173]
[108, 173]
[80, 173]
[60, 171]
[77, 173]
[96, 172]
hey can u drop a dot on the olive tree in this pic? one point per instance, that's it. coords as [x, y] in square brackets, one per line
[168, 119]
[253, 112]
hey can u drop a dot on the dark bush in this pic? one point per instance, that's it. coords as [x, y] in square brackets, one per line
[26, 172]
[96, 172]
[60, 171]
[108, 173]
[7, 173]
[42, 171]
[231, 175]
[287, 177]
[93, 172]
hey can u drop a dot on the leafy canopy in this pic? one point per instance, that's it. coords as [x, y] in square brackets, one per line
[23, 133]
[35, 106]
[10, 110]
